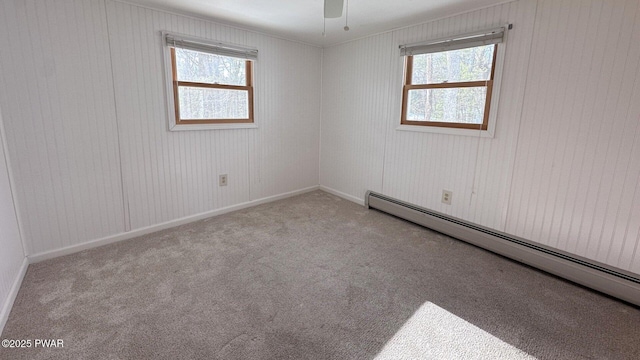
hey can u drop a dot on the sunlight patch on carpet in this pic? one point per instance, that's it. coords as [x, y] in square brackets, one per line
[434, 333]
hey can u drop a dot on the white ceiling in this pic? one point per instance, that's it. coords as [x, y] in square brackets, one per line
[303, 19]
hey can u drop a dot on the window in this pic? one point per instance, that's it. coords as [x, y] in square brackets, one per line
[450, 82]
[210, 84]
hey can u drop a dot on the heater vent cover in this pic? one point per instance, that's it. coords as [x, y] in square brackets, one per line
[601, 277]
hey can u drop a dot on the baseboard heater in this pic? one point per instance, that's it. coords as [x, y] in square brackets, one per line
[615, 282]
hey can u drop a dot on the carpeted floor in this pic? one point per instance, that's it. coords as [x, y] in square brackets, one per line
[310, 277]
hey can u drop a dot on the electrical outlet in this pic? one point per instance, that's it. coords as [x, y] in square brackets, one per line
[223, 180]
[446, 197]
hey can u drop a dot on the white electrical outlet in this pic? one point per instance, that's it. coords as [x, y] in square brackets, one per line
[223, 180]
[446, 197]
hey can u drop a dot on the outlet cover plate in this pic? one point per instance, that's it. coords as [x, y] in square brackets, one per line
[446, 197]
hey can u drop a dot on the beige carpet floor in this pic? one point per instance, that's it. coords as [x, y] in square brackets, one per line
[310, 277]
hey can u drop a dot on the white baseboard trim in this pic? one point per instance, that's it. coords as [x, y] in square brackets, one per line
[153, 228]
[342, 195]
[8, 303]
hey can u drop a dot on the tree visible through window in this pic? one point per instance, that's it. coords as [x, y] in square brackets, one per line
[449, 88]
[211, 88]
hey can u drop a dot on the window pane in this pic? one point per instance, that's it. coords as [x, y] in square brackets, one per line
[209, 68]
[204, 103]
[472, 64]
[453, 105]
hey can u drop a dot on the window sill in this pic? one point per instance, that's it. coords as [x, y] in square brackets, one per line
[447, 131]
[192, 127]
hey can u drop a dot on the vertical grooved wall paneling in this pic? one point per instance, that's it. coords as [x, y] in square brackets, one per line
[418, 166]
[85, 117]
[84, 104]
[169, 175]
[58, 109]
[564, 166]
[361, 148]
[284, 153]
[577, 173]
[355, 98]
[12, 254]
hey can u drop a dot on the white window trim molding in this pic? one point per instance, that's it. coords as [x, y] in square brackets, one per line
[493, 110]
[448, 131]
[168, 84]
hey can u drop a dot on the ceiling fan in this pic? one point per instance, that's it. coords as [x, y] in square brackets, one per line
[333, 8]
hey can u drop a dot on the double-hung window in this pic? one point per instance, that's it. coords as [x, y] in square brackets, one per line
[210, 83]
[450, 82]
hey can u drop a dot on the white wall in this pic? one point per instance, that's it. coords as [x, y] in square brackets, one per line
[563, 168]
[12, 259]
[92, 157]
[85, 118]
[576, 184]
[168, 175]
[58, 103]
[363, 150]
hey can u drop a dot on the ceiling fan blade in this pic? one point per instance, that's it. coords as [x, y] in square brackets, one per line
[333, 8]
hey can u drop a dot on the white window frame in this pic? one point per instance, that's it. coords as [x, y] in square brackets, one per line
[495, 95]
[168, 80]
